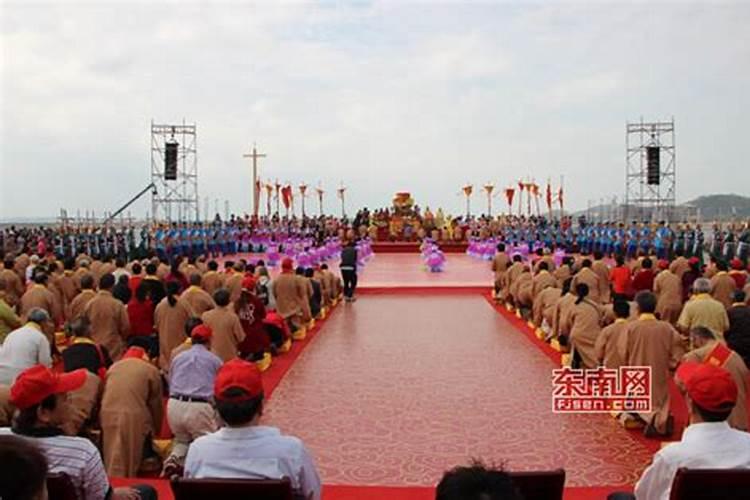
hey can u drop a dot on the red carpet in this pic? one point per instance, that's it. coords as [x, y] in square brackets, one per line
[403, 386]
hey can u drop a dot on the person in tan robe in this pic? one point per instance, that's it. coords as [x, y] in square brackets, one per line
[332, 283]
[564, 271]
[325, 294]
[655, 343]
[226, 326]
[131, 412]
[83, 269]
[543, 279]
[589, 278]
[198, 299]
[19, 266]
[212, 280]
[562, 310]
[708, 349]
[668, 291]
[306, 292]
[500, 264]
[83, 402]
[110, 325]
[679, 265]
[13, 286]
[54, 286]
[611, 344]
[514, 271]
[601, 269]
[234, 281]
[722, 285]
[80, 301]
[584, 324]
[68, 286]
[288, 292]
[610, 316]
[519, 293]
[6, 407]
[170, 317]
[544, 305]
[38, 295]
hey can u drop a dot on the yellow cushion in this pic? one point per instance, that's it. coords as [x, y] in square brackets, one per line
[555, 344]
[265, 363]
[300, 334]
[286, 346]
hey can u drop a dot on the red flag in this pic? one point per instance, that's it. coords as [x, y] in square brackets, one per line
[560, 197]
[509, 192]
[286, 196]
[549, 196]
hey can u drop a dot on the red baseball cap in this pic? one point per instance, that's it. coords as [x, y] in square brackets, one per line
[287, 264]
[202, 332]
[710, 387]
[248, 283]
[736, 264]
[37, 383]
[663, 264]
[238, 374]
[693, 260]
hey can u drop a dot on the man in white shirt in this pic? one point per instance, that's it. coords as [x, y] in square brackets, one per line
[245, 449]
[26, 346]
[708, 442]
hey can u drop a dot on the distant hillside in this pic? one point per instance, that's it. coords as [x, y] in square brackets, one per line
[717, 206]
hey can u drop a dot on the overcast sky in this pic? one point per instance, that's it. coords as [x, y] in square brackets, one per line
[384, 96]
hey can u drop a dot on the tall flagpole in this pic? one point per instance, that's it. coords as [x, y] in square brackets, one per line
[256, 192]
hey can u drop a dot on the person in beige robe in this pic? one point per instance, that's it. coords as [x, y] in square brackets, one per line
[19, 266]
[564, 271]
[287, 291]
[13, 286]
[601, 269]
[668, 291]
[708, 349]
[6, 407]
[234, 281]
[655, 343]
[519, 292]
[500, 264]
[723, 286]
[198, 299]
[80, 301]
[305, 291]
[514, 271]
[68, 286]
[325, 294]
[38, 295]
[226, 326]
[610, 316]
[543, 279]
[212, 280]
[584, 325]
[679, 266]
[611, 344]
[83, 404]
[589, 278]
[131, 412]
[170, 317]
[110, 325]
[544, 305]
[333, 283]
[54, 285]
[83, 269]
[562, 310]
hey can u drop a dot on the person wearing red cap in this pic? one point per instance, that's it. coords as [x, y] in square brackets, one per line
[131, 411]
[289, 294]
[225, 325]
[245, 449]
[722, 285]
[668, 291]
[708, 442]
[189, 411]
[654, 343]
[41, 398]
[708, 349]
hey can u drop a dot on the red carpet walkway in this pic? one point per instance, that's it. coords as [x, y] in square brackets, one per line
[400, 387]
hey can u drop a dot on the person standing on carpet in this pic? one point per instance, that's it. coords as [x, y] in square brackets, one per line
[244, 449]
[189, 411]
[348, 268]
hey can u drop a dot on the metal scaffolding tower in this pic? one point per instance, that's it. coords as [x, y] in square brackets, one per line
[174, 199]
[650, 197]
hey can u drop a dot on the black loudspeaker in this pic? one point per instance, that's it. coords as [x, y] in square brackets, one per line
[170, 161]
[652, 162]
